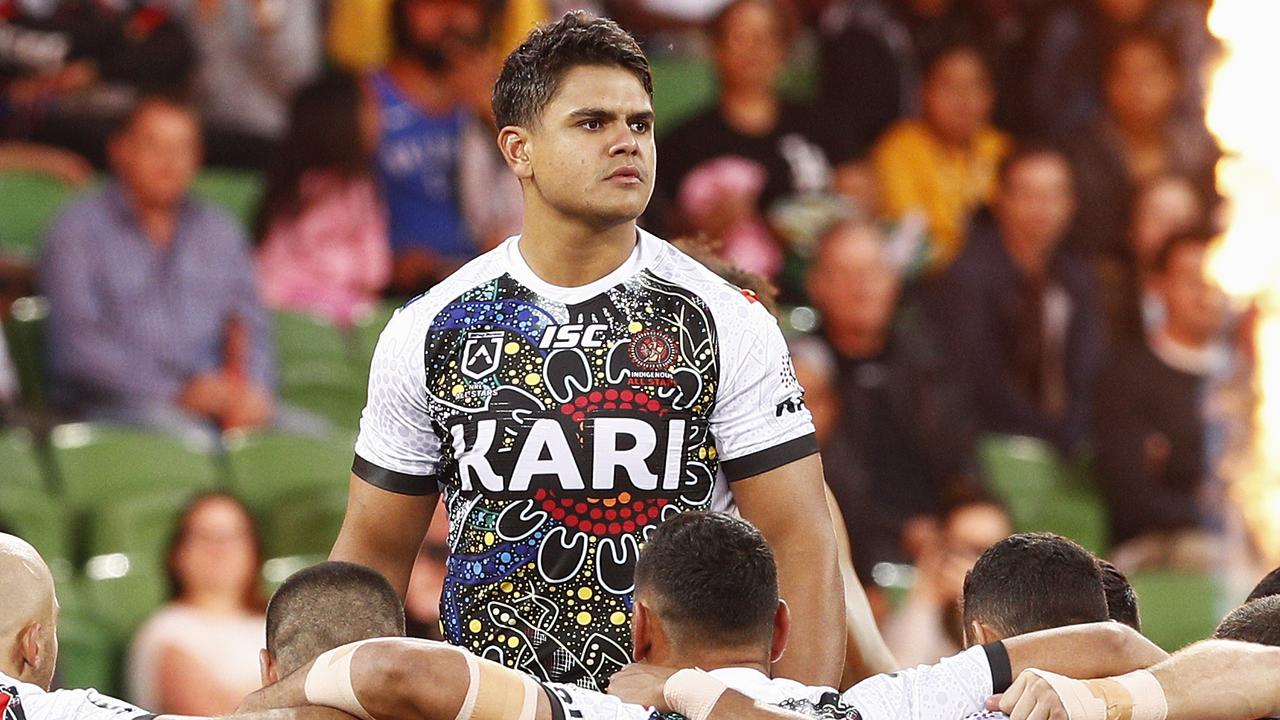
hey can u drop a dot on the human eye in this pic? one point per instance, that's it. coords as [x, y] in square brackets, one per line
[640, 126]
[592, 124]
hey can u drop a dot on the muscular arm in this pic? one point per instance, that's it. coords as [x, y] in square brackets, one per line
[1211, 680]
[788, 504]
[866, 653]
[383, 530]
[1083, 651]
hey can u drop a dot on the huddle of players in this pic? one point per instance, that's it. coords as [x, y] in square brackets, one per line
[335, 638]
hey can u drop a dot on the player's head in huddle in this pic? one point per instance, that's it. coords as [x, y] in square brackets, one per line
[707, 595]
[1257, 621]
[28, 614]
[1029, 582]
[323, 607]
[1122, 599]
[575, 112]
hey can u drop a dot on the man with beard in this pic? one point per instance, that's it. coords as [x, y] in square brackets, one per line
[420, 125]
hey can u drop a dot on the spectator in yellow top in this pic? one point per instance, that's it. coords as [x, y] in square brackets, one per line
[944, 164]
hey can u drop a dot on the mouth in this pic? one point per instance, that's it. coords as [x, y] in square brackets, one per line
[625, 175]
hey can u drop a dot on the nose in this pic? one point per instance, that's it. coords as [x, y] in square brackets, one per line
[625, 144]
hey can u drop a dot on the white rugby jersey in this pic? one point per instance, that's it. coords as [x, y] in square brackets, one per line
[954, 689]
[561, 426]
[24, 701]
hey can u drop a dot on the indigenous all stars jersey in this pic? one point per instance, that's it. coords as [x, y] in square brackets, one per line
[562, 425]
[24, 701]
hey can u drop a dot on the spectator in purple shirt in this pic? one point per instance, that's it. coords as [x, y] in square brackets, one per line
[154, 316]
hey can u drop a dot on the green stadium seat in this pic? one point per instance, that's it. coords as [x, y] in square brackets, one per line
[312, 350]
[306, 524]
[683, 86]
[99, 463]
[340, 403]
[142, 525]
[38, 517]
[237, 191]
[367, 333]
[121, 590]
[1177, 608]
[266, 467]
[21, 461]
[276, 570]
[1042, 492]
[31, 200]
[88, 657]
[24, 331]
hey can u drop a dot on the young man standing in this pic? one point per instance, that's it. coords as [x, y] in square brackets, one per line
[579, 385]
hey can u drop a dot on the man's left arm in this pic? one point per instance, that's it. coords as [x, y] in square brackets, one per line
[247, 309]
[788, 505]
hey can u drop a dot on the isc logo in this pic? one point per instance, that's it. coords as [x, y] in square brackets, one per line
[560, 337]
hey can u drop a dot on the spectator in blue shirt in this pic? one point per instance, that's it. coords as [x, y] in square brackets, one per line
[154, 314]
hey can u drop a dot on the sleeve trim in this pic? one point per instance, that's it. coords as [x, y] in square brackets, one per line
[557, 707]
[1001, 668]
[392, 481]
[770, 458]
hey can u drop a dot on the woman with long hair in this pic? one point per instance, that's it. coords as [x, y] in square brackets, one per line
[197, 655]
[321, 226]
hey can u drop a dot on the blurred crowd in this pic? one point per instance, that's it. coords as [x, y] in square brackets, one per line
[974, 216]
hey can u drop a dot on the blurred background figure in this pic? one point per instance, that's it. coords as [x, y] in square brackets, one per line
[426, 582]
[197, 655]
[775, 143]
[901, 436]
[69, 70]
[1021, 315]
[1136, 138]
[944, 164]
[1154, 449]
[154, 316]
[928, 627]
[421, 119]
[251, 55]
[321, 226]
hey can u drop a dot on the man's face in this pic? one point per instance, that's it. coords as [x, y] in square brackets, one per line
[1125, 12]
[1036, 202]
[159, 155]
[1141, 87]
[1195, 306]
[852, 282]
[751, 49]
[958, 97]
[592, 155]
[434, 27]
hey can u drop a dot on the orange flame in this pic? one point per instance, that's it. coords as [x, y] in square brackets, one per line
[1244, 114]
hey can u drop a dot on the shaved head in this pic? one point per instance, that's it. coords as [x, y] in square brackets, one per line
[28, 613]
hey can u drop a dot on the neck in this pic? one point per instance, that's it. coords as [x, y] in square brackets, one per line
[421, 85]
[11, 662]
[1025, 258]
[714, 659]
[570, 253]
[214, 602]
[159, 222]
[751, 110]
[1141, 134]
[856, 342]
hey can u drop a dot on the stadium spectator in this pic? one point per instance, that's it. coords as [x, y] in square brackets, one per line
[1021, 316]
[195, 655]
[903, 439]
[943, 165]
[1163, 208]
[1122, 600]
[1029, 582]
[1068, 55]
[421, 121]
[323, 229]
[1135, 139]
[63, 165]
[774, 143]
[153, 313]
[928, 625]
[872, 58]
[251, 56]
[1256, 621]
[1268, 585]
[69, 69]
[1153, 464]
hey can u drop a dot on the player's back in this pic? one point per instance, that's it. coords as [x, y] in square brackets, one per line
[24, 701]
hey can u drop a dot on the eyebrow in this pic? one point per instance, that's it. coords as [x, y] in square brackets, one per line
[595, 113]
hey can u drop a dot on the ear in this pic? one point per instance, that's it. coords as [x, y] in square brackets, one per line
[979, 633]
[29, 645]
[642, 631]
[267, 668]
[514, 143]
[781, 631]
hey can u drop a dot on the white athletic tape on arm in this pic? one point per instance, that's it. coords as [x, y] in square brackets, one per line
[1136, 696]
[692, 693]
[1077, 699]
[1149, 701]
[473, 686]
[495, 692]
[329, 681]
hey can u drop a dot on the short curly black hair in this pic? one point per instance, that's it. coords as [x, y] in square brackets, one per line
[531, 74]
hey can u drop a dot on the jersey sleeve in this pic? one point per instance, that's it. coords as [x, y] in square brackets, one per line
[398, 449]
[955, 688]
[69, 705]
[570, 701]
[760, 421]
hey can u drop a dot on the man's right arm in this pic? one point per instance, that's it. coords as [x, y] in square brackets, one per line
[1083, 651]
[383, 530]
